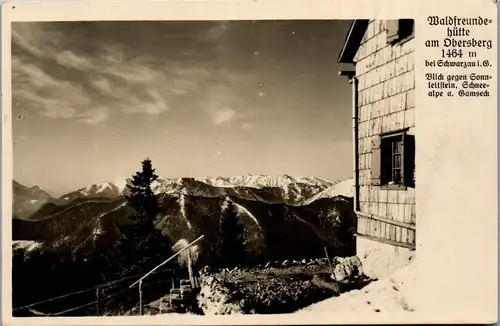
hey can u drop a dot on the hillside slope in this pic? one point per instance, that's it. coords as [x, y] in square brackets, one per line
[27, 200]
[273, 231]
[342, 188]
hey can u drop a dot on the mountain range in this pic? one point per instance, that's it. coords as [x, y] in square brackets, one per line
[291, 189]
[271, 189]
[283, 217]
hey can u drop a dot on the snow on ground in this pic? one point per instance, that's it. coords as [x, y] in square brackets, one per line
[26, 245]
[394, 293]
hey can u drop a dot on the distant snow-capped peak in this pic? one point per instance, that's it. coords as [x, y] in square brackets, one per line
[261, 181]
[289, 184]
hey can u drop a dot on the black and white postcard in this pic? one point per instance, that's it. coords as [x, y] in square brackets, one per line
[249, 162]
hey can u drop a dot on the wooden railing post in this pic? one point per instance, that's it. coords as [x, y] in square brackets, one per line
[166, 261]
[329, 262]
[190, 269]
[140, 298]
[97, 301]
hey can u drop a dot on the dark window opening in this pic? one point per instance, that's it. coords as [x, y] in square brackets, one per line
[393, 160]
[399, 30]
[406, 28]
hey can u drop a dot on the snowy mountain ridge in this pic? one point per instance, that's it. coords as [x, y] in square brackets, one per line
[171, 185]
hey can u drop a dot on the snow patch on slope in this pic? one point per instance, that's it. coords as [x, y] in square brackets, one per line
[105, 186]
[246, 211]
[182, 207]
[26, 245]
[342, 188]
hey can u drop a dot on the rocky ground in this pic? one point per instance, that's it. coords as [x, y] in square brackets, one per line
[277, 287]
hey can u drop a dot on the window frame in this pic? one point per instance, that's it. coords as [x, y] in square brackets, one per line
[395, 37]
[385, 139]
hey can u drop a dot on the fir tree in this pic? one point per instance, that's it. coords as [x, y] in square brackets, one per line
[141, 198]
[142, 245]
[230, 243]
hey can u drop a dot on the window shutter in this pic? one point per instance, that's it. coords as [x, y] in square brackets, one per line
[409, 160]
[392, 30]
[406, 28]
[376, 162]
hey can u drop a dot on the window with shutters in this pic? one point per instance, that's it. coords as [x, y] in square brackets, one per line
[393, 162]
[400, 30]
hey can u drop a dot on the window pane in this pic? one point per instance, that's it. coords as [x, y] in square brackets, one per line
[396, 175]
[397, 161]
[396, 147]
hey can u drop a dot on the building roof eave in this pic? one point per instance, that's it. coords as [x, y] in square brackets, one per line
[353, 40]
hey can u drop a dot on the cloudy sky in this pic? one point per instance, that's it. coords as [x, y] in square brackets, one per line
[199, 98]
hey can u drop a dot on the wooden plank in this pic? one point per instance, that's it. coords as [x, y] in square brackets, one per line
[386, 220]
[398, 233]
[413, 214]
[367, 226]
[411, 236]
[407, 216]
[364, 225]
[359, 225]
[382, 211]
[404, 235]
[387, 241]
[389, 234]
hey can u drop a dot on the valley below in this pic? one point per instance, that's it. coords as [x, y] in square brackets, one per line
[287, 223]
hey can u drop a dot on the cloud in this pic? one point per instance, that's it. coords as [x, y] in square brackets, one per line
[56, 99]
[223, 116]
[223, 101]
[20, 41]
[95, 116]
[70, 59]
[152, 103]
[133, 73]
[91, 87]
[73, 70]
[103, 85]
[216, 31]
